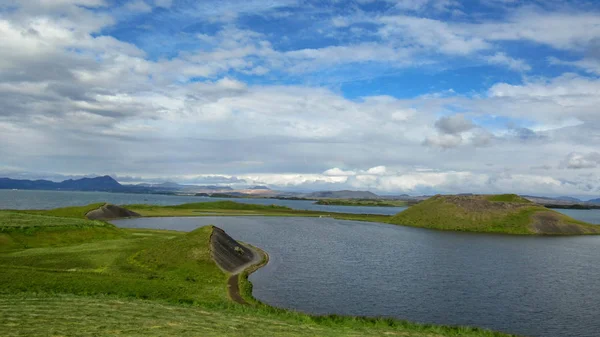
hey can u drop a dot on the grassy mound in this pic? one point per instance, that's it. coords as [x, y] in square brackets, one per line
[21, 230]
[110, 212]
[506, 213]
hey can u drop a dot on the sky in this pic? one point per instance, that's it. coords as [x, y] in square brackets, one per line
[392, 96]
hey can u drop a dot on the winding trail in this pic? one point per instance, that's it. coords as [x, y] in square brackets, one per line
[233, 287]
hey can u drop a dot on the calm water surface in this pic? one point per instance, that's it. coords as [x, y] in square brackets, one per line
[591, 216]
[24, 199]
[52, 199]
[535, 286]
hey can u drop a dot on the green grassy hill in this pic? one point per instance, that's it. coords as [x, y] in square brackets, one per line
[109, 281]
[21, 231]
[507, 213]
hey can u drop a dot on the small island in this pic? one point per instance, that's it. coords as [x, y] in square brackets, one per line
[506, 213]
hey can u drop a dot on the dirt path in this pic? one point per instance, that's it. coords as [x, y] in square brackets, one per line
[234, 290]
[233, 282]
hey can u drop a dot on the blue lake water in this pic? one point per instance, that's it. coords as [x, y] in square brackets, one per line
[534, 286]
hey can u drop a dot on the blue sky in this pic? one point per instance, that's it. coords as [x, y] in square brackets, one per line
[395, 96]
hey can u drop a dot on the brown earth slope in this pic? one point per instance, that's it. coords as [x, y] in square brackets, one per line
[230, 255]
[110, 212]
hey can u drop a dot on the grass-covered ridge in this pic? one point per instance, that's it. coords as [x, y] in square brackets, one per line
[66, 212]
[507, 198]
[508, 214]
[362, 202]
[21, 230]
[149, 283]
[230, 208]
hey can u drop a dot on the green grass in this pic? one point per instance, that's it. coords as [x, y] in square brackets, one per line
[70, 315]
[508, 214]
[20, 230]
[147, 283]
[362, 202]
[67, 212]
[214, 205]
[507, 198]
[230, 208]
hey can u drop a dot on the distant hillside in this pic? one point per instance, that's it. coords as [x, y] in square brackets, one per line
[171, 186]
[594, 201]
[568, 199]
[345, 194]
[553, 201]
[507, 213]
[104, 183]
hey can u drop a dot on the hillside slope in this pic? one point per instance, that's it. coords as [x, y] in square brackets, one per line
[507, 213]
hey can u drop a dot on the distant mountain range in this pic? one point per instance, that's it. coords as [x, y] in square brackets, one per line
[171, 186]
[108, 184]
[345, 194]
[105, 183]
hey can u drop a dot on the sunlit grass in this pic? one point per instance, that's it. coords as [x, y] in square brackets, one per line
[146, 283]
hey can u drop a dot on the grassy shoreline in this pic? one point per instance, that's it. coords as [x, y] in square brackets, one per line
[363, 202]
[149, 283]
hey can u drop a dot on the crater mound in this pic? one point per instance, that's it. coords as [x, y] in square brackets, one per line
[110, 212]
[506, 213]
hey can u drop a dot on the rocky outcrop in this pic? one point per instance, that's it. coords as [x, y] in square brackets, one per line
[110, 212]
[229, 255]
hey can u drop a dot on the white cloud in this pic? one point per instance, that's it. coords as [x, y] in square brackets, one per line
[67, 93]
[377, 170]
[138, 6]
[338, 172]
[590, 65]
[454, 124]
[163, 3]
[570, 30]
[576, 160]
[505, 60]
[444, 141]
[430, 34]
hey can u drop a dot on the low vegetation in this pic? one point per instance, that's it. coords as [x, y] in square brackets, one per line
[68, 212]
[21, 231]
[363, 202]
[230, 208]
[508, 214]
[144, 283]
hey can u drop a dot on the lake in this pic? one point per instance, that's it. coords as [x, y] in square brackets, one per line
[24, 199]
[534, 286]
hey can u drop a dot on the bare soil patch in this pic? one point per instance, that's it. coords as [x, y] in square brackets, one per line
[110, 212]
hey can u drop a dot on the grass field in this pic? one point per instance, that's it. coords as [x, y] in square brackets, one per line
[69, 212]
[144, 283]
[230, 208]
